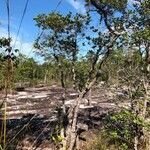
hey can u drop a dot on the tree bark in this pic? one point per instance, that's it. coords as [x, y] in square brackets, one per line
[64, 111]
[135, 143]
[63, 117]
[90, 97]
[45, 78]
[148, 57]
[145, 132]
[75, 110]
[73, 133]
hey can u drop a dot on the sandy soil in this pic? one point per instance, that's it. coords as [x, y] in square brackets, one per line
[32, 114]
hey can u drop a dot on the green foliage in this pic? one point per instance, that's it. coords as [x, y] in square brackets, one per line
[56, 137]
[1, 147]
[26, 70]
[100, 142]
[111, 4]
[55, 21]
[82, 70]
[113, 65]
[122, 127]
[116, 4]
[63, 44]
[29, 72]
[4, 42]
[66, 36]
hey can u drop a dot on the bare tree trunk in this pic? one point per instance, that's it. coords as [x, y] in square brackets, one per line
[77, 143]
[90, 97]
[63, 115]
[89, 103]
[64, 111]
[72, 128]
[145, 132]
[135, 143]
[145, 84]
[74, 112]
[73, 133]
[45, 78]
[74, 77]
[147, 141]
[148, 57]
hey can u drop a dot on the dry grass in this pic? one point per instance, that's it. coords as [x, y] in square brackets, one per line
[98, 142]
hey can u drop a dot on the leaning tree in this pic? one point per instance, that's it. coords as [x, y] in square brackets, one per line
[63, 38]
[130, 20]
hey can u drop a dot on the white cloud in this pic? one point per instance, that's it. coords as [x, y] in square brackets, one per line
[78, 5]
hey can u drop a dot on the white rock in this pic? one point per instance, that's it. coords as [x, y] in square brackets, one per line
[22, 93]
[93, 102]
[73, 94]
[69, 102]
[85, 107]
[39, 96]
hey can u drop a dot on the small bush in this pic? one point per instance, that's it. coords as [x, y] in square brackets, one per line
[100, 142]
[118, 132]
[122, 127]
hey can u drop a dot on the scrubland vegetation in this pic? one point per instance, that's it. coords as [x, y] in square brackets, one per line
[96, 71]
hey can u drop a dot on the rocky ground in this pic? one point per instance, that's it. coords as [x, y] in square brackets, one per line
[32, 115]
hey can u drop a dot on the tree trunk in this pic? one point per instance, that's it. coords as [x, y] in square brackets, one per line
[77, 143]
[74, 113]
[73, 133]
[135, 143]
[62, 79]
[64, 141]
[148, 141]
[63, 115]
[146, 99]
[148, 57]
[89, 97]
[63, 118]
[145, 132]
[64, 111]
[45, 78]
[75, 87]
[89, 103]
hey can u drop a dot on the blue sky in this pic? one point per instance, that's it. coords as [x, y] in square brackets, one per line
[28, 30]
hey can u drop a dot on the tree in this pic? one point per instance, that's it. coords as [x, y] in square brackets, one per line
[62, 44]
[133, 29]
[68, 33]
[28, 71]
[65, 42]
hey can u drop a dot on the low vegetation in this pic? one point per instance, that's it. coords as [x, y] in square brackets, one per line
[80, 56]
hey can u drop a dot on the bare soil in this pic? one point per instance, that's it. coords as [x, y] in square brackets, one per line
[32, 115]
